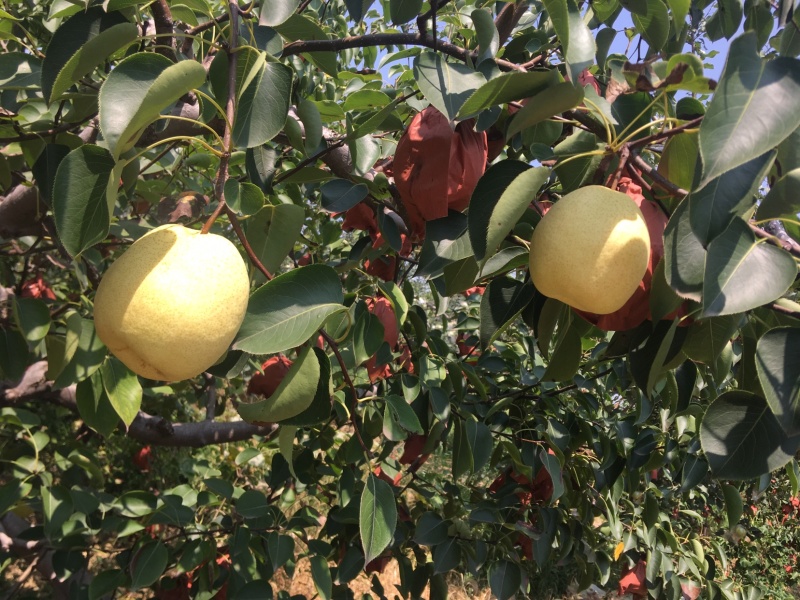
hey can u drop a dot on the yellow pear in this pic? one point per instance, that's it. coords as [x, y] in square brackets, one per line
[170, 306]
[590, 250]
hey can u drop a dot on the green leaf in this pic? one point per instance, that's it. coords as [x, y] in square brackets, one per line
[577, 40]
[123, 389]
[714, 206]
[32, 318]
[725, 21]
[280, 548]
[446, 85]
[339, 195]
[320, 408]
[679, 159]
[480, 442]
[488, 38]
[148, 565]
[377, 517]
[463, 461]
[286, 311]
[403, 414]
[301, 27]
[550, 102]
[312, 124]
[684, 255]
[505, 579]
[321, 574]
[243, 197]
[778, 367]
[580, 170]
[502, 302]
[653, 24]
[253, 504]
[566, 357]
[402, 11]
[431, 530]
[783, 199]
[94, 406]
[399, 302]
[679, 8]
[272, 232]
[506, 88]
[707, 338]
[446, 242]
[294, 394]
[87, 359]
[19, 71]
[553, 466]
[276, 12]
[742, 274]
[367, 336]
[733, 503]
[263, 106]
[137, 90]
[81, 43]
[500, 199]
[742, 439]
[755, 107]
[446, 556]
[80, 198]
[98, 48]
[13, 354]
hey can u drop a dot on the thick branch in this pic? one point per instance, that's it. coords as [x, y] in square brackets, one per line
[145, 428]
[388, 39]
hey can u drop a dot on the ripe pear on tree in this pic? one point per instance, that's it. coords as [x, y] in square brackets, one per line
[171, 305]
[590, 250]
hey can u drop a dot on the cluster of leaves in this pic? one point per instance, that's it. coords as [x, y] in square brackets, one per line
[569, 445]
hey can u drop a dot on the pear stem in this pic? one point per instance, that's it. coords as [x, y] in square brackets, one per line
[230, 113]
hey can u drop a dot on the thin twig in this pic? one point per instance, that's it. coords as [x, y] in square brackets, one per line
[237, 228]
[305, 162]
[667, 133]
[354, 408]
[230, 112]
[389, 39]
[37, 135]
[661, 181]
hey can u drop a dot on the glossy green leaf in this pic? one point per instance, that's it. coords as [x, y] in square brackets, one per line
[447, 85]
[480, 442]
[243, 197]
[579, 170]
[488, 38]
[320, 408]
[253, 504]
[148, 564]
[552, 101]
[742, 439]
[679, 159]
[727, 197]
[653, 23]
[367, 336]
[272, 232]
[446, 242]
[137, 90]
[81, 43]
[294, 394]
[80, 197]
[725, 21]
[446, 556]
[577, 40]
[684, 255]
[402, 11]
[783, 199]
[566, 357]
[377, 517]
[755, 107]
[742, 274]
[403, 414]
[88, 357]
[501, 197]
[300, 27]
[707, 338]
[679, 8]
[123, 389]
[340, 195]
[312, 124]
[778, 367]
[276, 12]
[507, 88]
[502, 302]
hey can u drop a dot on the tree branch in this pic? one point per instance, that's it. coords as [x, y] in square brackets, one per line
[162, 16]
[508, 19]
[389, 39]
[145, 428]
